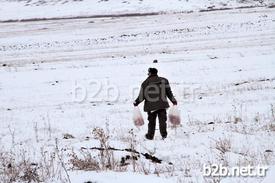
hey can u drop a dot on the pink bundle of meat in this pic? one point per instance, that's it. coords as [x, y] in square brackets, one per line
[174, 115]
[137, 117]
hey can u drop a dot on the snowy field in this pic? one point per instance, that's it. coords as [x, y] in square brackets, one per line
[39, 9]
[61, 79]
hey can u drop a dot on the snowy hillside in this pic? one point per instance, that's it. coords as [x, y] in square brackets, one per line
[67, 88]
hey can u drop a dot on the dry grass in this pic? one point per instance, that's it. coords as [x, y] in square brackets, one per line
[87, 162]
[223, 145]
[21, 168]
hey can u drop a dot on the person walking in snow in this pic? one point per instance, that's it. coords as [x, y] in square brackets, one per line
[154, 91]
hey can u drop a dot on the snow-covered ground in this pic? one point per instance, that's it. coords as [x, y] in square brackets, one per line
[35, 9]
[220, 65]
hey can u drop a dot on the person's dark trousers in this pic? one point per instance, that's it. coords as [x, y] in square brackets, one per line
[152, 116]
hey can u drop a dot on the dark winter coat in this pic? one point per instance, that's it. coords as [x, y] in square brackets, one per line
[155, 90]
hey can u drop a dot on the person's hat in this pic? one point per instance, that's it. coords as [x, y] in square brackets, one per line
[153, 71]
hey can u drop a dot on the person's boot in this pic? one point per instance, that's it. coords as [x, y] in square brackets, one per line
[148, 137]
